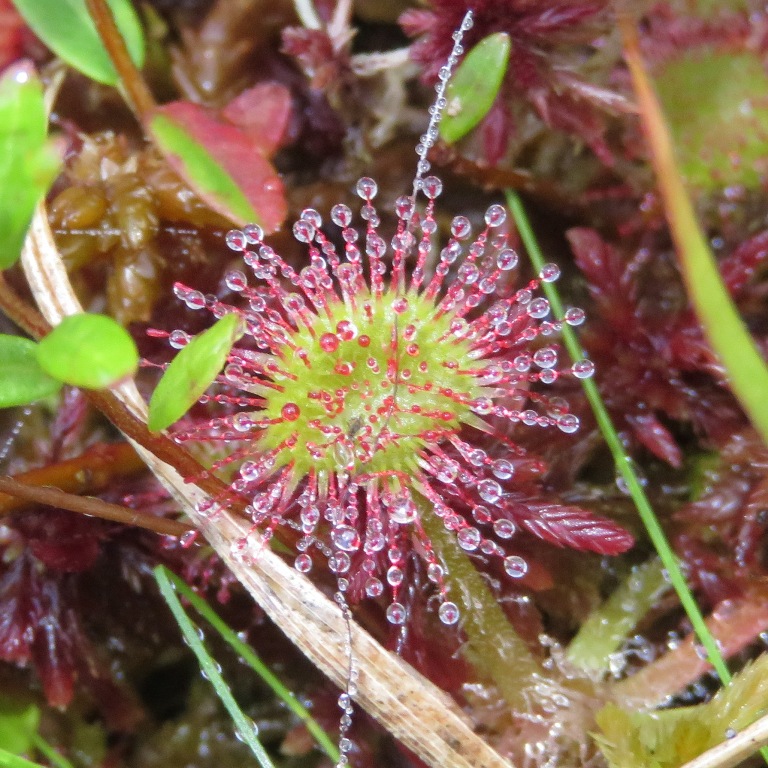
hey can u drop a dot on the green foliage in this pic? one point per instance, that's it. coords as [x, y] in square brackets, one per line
[201, 170]
[9, 760]
[244, 725]
[249, 657]
[90, 351]
[19, 720]
[669, 738]
[65, 26]
[474, 86]
[606, 628]
[22, 380]
[716, 109]
[28, 162]
[192, 371]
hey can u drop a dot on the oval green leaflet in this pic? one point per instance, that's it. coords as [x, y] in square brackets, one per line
[192, 371]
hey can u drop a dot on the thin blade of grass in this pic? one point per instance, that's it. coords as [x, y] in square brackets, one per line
[723, 327]
[55, 758]
[9, 760]
[244, 725]
[258, 666]
[623, 462]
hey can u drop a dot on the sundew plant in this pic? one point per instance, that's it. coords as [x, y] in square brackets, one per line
[461, 452]
[375, 393]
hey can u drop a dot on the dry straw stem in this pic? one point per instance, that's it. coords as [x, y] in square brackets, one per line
[417, 713]
[733, 752]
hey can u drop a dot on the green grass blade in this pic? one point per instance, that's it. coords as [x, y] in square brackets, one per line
[55, 758]
[247, 654]
[244, 725]
[9, 760]
[723, 327]
[623, 462]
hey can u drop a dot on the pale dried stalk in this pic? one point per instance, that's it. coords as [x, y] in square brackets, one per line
[417, 713]
[732, 752]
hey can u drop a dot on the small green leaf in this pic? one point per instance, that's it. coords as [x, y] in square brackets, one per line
[192, 371]
[201, 170]
[65, 26]
[28, 162]
[22, 380]
[19, 719]
[474, 86]
[91, 351]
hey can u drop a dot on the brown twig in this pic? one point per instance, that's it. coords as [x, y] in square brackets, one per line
[93, 470]
[136, 91]
[33, 323]
[87, 505]
[25, 316]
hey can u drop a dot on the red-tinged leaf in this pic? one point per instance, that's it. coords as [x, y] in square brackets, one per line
[221, 162]
[574, 528]
[11, 34]
[656, 437]
[262, 112]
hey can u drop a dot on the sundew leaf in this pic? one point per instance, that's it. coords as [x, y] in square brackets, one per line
[28, 161]
[90, 351]
[716, 107]
[22, 380]
[474, 86]
[671, 737]
[221, 163]
[191, 372]
[65, 26]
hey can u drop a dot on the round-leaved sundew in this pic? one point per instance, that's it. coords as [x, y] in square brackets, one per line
[377, 384]
[367, 375]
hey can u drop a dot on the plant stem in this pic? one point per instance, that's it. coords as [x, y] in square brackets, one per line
[87, 505]
[493, 647]
[137, 93]
[622, 460]
[22, 314]
[93, 470]
[734, 624]
[607, 627]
